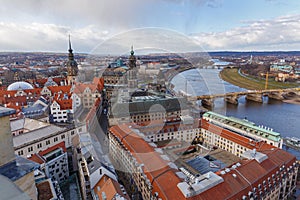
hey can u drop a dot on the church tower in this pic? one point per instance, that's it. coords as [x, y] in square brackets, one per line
[71, 66]
[132, 72]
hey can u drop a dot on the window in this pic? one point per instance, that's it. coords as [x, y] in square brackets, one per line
[47, 142]
[55, 139]
[62, 136]
[72, 132]
[20, 152]
[30, 149]
[39, 145]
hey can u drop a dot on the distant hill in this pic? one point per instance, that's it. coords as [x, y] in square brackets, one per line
[255, 53]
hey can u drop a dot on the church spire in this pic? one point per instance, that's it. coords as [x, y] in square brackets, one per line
[132, 52]
[71, 55]
[72, 67]
[132, 59]
[70, 47]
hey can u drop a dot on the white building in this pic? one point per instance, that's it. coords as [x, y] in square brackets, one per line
[61, 111]
[54, 162]
[43, 137]
[245, 128]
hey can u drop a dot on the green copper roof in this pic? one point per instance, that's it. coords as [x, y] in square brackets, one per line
[244, 125]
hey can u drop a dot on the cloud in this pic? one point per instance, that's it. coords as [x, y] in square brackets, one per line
[35, 25]
[118, 14]
[48, 37]
[282, 33]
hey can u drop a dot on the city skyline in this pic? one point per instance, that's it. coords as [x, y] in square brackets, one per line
[214, 25]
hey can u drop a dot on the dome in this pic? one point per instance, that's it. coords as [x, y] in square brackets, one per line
[20, 85]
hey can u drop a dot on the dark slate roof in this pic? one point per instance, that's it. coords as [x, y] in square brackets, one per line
[6, 111]
[33, 109]
[141, 107]
[18, 168]
[204, 165]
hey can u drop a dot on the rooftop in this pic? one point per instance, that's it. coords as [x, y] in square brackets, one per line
[206, 164]
[28, 124]
[18, 168]
[46, 190]
[6, 111]
[235, 137]
[229, 182]
[162, 177]
[243, 125]
[20, 85]
[109, 188]
[147, 104]
[36, 135]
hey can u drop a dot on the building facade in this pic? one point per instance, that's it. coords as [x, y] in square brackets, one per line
[246, 128]
[41, 139]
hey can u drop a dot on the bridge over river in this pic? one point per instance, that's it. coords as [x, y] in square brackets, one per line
[253, 95]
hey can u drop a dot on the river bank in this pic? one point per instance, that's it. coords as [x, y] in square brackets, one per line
[251, 83]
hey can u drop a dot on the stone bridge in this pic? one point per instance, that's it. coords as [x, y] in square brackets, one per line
[252, 95]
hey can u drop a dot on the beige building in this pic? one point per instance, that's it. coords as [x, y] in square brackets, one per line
[86, 94]
[20, 171]
[186, 129]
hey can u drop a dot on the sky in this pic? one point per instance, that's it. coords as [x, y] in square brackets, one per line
[211, 25]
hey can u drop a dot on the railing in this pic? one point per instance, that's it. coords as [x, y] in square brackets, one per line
[242, 93]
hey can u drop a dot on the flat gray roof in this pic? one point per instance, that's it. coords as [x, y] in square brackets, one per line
[28, 124]
[35, 135]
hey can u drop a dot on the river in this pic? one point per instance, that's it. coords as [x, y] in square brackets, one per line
[282, 117]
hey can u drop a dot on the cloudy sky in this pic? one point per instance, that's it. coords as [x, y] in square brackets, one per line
[44, 25]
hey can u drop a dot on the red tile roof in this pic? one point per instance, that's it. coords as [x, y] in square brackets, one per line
[162, 177]
[249, 175]
[65, 104]
[234, 137]
[110, 187]
[99, 81]
[42, 81]
[156, 126]
[52, 148]
[38, 156]
[237, 182]
[62, 89]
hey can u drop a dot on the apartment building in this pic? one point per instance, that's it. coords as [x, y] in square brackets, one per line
[264, 173]
[54, 162]
[185, 129]
[245, 128]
